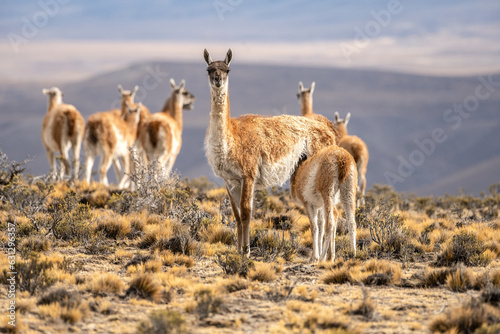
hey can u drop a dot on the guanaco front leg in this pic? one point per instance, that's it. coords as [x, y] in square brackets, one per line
[246, 205]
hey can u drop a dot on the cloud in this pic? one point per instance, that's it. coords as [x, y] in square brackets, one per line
[442, 53]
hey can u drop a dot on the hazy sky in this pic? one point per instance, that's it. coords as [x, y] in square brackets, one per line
[70, 39]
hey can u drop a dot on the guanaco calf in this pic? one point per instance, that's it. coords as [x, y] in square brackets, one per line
[320, 182]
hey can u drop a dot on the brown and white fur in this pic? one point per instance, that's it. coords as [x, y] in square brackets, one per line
[127, 98]
[109, 135]
[320, 182]
[161, 134]
[254, 152]
[357, 148]
[62, 130]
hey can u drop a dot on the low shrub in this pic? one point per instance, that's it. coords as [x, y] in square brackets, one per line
[233, 263]
[163, 321]
[207, 302]
[465, 247]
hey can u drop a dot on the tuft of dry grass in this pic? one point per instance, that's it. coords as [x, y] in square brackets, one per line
[169, 259]
[24, 305]
[106, 284]
[163, 321]
[338, 276]
[234, 284]
[153, 265]
[182, 243]
[148, 240]
[102, 306]
[385, 272]
[460, 280]
[176, 278]
[153, 233]
[145, 286]
[60, 295]
[137, 224]
[306, 293]
[217, 194]
[495, 277]
[216, 233]
[63, 304]
[99, 198]
[466, 318]
[435, 277]
[373, 272]
[70, 314]
[318, 319]
[34, 243]
[113, 226]
[263, 272]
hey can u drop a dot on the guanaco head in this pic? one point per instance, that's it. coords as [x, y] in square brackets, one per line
[127, 98]
[305, 98]
[341, 124]
[54, 94]
[182, 94]
[218, 70]
[305, 91]
[128, 95]
[133, 113]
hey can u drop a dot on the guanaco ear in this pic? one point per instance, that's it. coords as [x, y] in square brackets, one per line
[45, 91]
[183, 83]
[172, 83]
[120, 89]
[337, 117]
[312, 87]
[229, 56]
[207, 57]
[346, 119]
[136, 88]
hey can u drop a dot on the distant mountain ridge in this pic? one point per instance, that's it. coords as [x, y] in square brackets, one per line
[395, 114]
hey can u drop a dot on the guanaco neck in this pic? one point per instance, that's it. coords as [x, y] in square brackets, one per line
[341, 130]
[173, 107]
[219, 117]
[130, 119]
[306, 104]
[166, 106]
[54, 101]
[125, 99]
